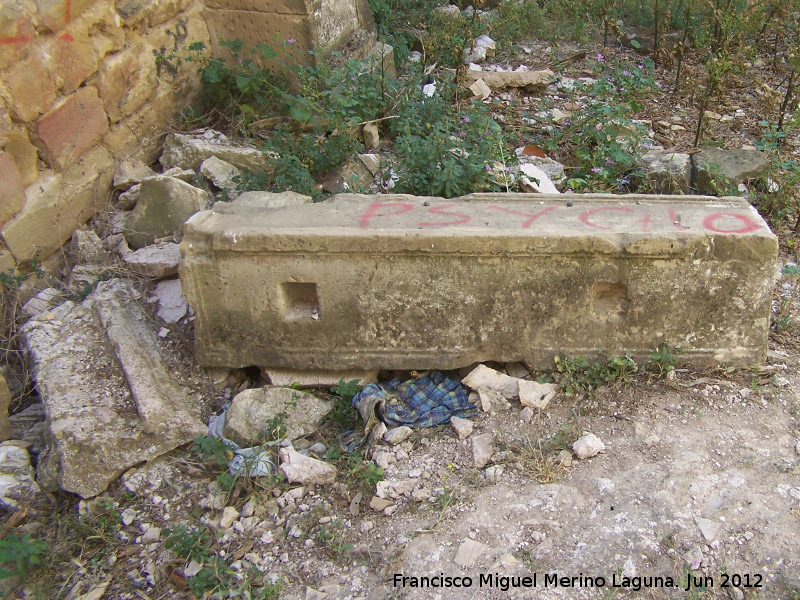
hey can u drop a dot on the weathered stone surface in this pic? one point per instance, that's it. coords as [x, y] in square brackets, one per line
[371, 136]
[129, 172]
[25, 156]
[284, 377]
[45, 300]
[86, 247]
[667, 172]
[483, 377]
[28, 87]
[12, 192]
[16, 474]
[397, 435]
[165, 203]
[535, 394]
[304, 469]
[587, 446]
[716, 170]
[261, 201]
[158, 261]
[535, 180]
[552, 168]
[220, 173]
[126, 80]
[251, 411]
[482, 449]
[71, 129]
[492, 277]
[5, 399]
[108, 396]
[172, 306]
[462, 427]
[354, 175]
[63, 201]
[73, 60]
[530, 80]
[128, 200]
[189, 152]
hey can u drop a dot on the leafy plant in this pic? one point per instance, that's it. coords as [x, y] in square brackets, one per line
[443, 151]
[664, 359]
[579, 376]
[21, 554]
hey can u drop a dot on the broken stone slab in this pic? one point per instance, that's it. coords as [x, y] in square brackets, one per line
[531, 81]
[535, 394]
[16, 475]
[189, 151]
[486, 378]
[462, 427]
[172, 306]
[397, 435]
[372, 139]
[666, 172]
[492, 400]
[304, 469]
[164, 205]
[129, 172]
[552, 168]
[261, 201]
[128, 200]
[86, 248]
[480, 90]
[484, 47]
[468, 552]
[45, 300]
[535, 180]
[482, 449]
[284, 377]
[490, 276]
[709, 529]
[108, 397]
[251, 411]
[157, 261]
[220, 173]
[587, 446]
[716, 170]
[185, 175]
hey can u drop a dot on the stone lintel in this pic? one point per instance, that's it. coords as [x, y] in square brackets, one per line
[403, 282]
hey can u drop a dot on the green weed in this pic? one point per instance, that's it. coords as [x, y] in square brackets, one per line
[579, 376]
[20, 555]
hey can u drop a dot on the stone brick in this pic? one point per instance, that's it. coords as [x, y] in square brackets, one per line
[12, 190]
[126, 80]
[487, 277]
[71, 129]
[25, 156]
[7, 261]
[288, 7]
[62, 201]
[17, 29]
[250, 27]
[56, 14]
[29, 88]
[73, 61]
[138, 136]
[151, 12]
[5, 119]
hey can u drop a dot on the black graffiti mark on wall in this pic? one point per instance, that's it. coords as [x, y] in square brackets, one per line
[180, 35]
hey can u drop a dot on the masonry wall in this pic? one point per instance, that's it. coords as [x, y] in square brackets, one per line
[83, 84]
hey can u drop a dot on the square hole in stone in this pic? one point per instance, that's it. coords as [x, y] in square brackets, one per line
[300, 300]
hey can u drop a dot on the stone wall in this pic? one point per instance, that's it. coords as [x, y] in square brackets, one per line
[83, 84]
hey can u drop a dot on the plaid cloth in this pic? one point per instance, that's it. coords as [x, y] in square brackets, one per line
[422, 402]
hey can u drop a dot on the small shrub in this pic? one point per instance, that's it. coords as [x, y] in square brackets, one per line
[21, 555]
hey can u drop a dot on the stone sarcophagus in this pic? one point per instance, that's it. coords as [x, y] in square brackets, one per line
[403, 282]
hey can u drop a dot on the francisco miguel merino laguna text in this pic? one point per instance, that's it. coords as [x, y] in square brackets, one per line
[505, 582]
